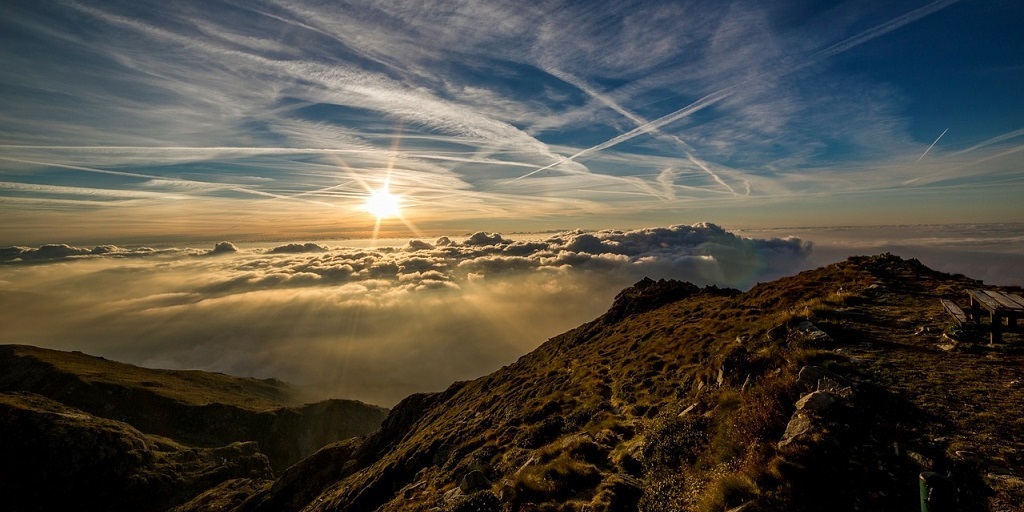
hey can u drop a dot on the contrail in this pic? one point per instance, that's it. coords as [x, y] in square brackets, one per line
[696, 106]
[640, 121]
[235, 188]
[989, 142]
[722, 94]
[932, 146]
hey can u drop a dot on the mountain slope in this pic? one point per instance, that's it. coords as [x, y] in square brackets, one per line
[823, 391]
[53, 455]
[196, 408]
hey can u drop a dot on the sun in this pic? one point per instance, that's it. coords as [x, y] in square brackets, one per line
[383, 204]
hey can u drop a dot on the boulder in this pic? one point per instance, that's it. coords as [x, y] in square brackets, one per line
[798, 426]
[817, 402]
[815, 336]
[474, 481]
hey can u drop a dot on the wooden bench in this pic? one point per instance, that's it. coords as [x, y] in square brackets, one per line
[1003, 311]
[957, 313]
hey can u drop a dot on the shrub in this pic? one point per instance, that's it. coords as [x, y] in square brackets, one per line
[763, 414]
[563, 476]
[727, 492]
[542, 433]
[672, 441]
[664, 492]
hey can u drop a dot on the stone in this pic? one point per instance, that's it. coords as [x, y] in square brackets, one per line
[474, 481]
[817, 402]
[798, 425]
[809, 377]
[813, 334]
[834, 388]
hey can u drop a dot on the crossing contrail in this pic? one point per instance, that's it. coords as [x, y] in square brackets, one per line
[640, 121]
[932, 146]
[721, 94]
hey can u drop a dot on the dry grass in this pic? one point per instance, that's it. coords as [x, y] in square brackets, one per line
[604, 402]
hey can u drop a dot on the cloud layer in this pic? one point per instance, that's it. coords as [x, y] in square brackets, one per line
[375, 323]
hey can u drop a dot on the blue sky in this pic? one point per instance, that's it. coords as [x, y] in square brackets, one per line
[249, 120]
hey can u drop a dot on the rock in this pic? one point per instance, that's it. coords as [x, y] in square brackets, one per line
[648, 294]
[810, 375]
[474, 481]
[798, 426]
[814, 335]
[834, 388]
[817, 402]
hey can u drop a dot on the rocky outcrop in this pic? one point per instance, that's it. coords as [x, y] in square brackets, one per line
[648, 294]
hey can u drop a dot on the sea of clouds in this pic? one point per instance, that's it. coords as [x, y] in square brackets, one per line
[374, 324]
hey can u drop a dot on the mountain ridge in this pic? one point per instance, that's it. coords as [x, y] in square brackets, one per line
[833, 389]
[201, 409]
[702, 399]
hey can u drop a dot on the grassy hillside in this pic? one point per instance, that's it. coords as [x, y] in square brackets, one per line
[829, 390]
[196, 408]
[53, 455]
[834, 389]
[59, 373]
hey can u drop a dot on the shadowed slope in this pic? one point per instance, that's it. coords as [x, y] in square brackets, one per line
[193, 407]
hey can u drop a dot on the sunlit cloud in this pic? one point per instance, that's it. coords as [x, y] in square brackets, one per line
[366, 321]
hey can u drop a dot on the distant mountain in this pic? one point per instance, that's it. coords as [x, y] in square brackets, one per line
[54, 457]
[191, 409]
[835, 389]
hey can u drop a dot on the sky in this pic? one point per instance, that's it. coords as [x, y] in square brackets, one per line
[371, 199]
[144, 121]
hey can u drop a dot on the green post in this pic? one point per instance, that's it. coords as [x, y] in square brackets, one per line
[937, 492]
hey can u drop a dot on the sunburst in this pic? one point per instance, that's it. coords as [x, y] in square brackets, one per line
[383, 204]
